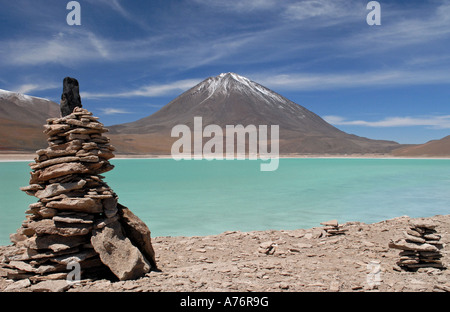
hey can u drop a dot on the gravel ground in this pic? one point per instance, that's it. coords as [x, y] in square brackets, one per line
[275, 261]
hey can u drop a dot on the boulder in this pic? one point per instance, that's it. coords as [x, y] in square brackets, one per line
[118, 253]
[138, 233]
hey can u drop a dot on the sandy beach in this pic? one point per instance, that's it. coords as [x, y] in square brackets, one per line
[5, 157]
[302, 261]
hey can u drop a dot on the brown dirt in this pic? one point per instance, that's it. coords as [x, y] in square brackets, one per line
[302, 261]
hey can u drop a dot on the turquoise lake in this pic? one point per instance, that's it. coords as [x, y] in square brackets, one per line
[200, 197]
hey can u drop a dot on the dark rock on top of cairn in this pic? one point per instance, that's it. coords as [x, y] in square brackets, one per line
[70, 97]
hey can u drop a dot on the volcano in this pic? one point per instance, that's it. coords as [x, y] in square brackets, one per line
[231, 99]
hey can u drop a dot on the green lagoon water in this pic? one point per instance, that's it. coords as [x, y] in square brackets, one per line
[200, 197]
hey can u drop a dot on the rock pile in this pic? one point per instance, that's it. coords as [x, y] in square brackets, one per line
[77, 217]
[267, 248]
[332, 227]
[420, 247]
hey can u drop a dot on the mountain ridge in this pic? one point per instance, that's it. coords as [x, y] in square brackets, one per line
[433, 148]
[231, 99]
[21, 121]
[25, 108]
[224, 99]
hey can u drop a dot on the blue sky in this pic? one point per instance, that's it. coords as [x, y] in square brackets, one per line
[390, 81]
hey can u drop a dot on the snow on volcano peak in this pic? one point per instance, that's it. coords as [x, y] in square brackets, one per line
[232, 82]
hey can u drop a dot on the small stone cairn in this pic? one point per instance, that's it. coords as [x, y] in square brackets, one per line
[77, 217]
[420, 246]
[331, 228]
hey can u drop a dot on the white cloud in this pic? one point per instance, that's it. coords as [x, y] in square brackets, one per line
[152, 90]
[99, 45]
[314, 81]
[113, 111]
[161, 89]
[329, 12]
[240, 5]
[63, 48]
[30, 87]
[433, 122]
[71, 48]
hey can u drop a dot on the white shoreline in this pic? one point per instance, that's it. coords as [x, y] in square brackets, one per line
[30, 157]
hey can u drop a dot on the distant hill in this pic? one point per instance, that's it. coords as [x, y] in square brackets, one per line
[434, 148]
[230, 99]
[21, 121]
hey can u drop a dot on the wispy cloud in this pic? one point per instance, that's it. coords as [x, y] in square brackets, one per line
[240, 5]
[30, 87]
[314, 81]
[433, 122]
[325, 11]
[152, 90]
[116, 6]
[114, 111]
[72, 47]
[404, 28]
[58, 49]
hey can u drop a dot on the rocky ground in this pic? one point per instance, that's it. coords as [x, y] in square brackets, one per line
[274, 261]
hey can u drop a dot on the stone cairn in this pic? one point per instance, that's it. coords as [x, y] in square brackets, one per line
[331, 228]
[77, 217]
[420, 246]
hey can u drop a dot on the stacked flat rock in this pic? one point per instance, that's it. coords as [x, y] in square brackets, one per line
[77, 216]
[332, 227]
[420, 246]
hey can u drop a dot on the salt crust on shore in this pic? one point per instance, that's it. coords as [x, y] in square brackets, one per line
[11, 157]
[302, 261]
